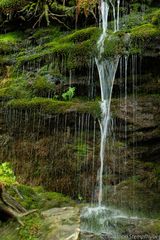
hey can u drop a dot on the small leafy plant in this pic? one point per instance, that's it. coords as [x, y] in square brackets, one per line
[68, 95]
[7, 174]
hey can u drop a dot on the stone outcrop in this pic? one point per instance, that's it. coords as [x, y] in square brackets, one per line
[64, 223]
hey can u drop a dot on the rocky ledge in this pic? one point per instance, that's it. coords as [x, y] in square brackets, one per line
[63, 223]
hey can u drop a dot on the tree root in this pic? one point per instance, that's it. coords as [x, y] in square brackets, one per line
[10, 208]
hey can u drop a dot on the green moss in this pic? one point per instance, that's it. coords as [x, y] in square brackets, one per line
[81, 149]
[43, 104]
[143, 37]
[43, 35]
[53, 199]
[115, 44]
[134, 180]
[47, 105]
[10, 41]
[33, 229]
[15, 88]
[151, 228]
[132, 20]
[4, 93]
[156, 18]
[9, 3]
[37, 197]
[42, 86]
[10, 38]
[146, 31]
[82, 35]
[30, 197]
[76, 47]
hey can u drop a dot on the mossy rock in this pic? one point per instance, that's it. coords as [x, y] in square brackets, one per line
[44, 35]
[145, 32]
[116, 44]
[156, 18]
[76, 48]
[133, 192]
[42, 86]
[15, 88]
[37, 197]
[10, 4]
[10, 42]
[51, 106]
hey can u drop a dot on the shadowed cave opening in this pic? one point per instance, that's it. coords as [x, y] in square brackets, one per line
[4, 215]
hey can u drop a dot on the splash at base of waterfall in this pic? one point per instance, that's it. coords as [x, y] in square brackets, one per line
[105, 221]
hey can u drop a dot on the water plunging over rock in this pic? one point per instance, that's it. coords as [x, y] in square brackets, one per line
[106, 70]
[98, 216]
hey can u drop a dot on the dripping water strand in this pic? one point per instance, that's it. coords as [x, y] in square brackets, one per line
[125, 104]
[118, 6]
[114, 15]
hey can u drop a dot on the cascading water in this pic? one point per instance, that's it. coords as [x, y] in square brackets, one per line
[114, 15]
[105, 221]
[96, 219]
[106, 69]
[118, 5]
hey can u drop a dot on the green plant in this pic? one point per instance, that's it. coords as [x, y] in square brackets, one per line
[32, 230]
[69, 94]
[81, 149]
[6, 173]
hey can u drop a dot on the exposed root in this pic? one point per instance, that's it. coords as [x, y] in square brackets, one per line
[11, 208]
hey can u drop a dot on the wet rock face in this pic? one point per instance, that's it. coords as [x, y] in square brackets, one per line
[56, 151]
[63, 223]
[140, 112]
[131, 232]
[142, 125]
[91, 236]
[133, 151]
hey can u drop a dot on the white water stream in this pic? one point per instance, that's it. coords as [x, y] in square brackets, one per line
[106, 69]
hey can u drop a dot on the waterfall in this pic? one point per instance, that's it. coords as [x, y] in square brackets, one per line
[118, 5]
[106, 69]
[96, 219]
[104, 18]
[114, 15]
